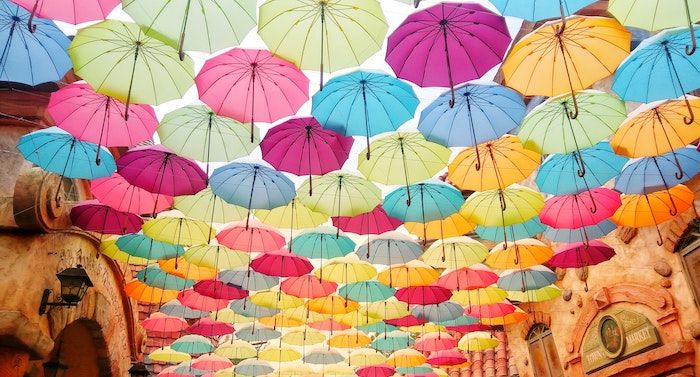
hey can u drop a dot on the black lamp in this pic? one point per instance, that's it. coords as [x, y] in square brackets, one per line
[138, 370]
[74, 284]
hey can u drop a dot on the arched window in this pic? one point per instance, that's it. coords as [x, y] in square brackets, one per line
[688, 248]
[543, 352]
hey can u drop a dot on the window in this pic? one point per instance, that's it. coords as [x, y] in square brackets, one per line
[543, 352]
[688, 248]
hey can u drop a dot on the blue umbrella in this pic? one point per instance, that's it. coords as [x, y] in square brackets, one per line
[526, 279]
[431, 200]
[192, 344]
[249, 279]
[581, 234]
[559, 173]
[185, 368]
[392, 341]
[660, 69]
[364, 103]
[175, 308]
[464, 320]
[420, 369]
[246, 308]
[155, 277]
[28, 57]
[322, 242]
[252, 186]
[650, 174]
[537, 10]
[514, 232]
[142, 246]
[389, 248]
[443, 311]
[481, 113]
[366, 291]
[379, 327]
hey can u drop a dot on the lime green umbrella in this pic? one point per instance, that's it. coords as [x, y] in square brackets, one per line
[117, 59]
[403, 158]
[323, 34]
[206, 206]
[340, 194]
[194, 25]
[292, 216]
[512, 205]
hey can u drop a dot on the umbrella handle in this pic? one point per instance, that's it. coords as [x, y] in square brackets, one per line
[688, 120]
[679, 173]
[690, 50]
[574, 114]
[416, 3]
[30, 23]
[581, 172]
[660, 240]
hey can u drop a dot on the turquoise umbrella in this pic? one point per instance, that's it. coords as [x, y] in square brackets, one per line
[518, 231]
[379, 328]
[142, 246]
[430, 200]
[253, 367]
[526, 279]
[246, 308]
[424, 369]
[537, 10]
[366, 291]
[392, 341]
[192, 344]
[323, 242]
[463, 320]
[389, 248]
[155, 277]
[443, 311]
[248, 279]
[175, 308]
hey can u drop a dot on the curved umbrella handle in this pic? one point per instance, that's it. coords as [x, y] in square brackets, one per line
[30, 23]
[416, 3]
[659, 241]
[679, 173]
[690, 50]
[688, 120]
[594, 209]
[574, 114]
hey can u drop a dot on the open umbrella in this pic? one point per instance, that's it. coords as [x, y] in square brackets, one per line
[455, 252]
[376, 370]
[431, 46]
[168, 355]
[281, 263]
[526, 229]
[525, 279]
[178, 230]
[579, 210]
[93, 216]
[292, 216]
[598, 230]
[649, 174]
[322, 35]
[579, 255]
[477, 341]
[121, 195]
[253, 367]
[473, 277]
[515, 204]
[321, 242]
[432, 200]
[206, 206]
[210, 328]
[538, 10]
[68, 10]
[346, 270]
[141, 246]
[192, 344]
[256, 238]
[340, 194]
[366, 291]
[443, 311]
[375, 221]
[307, 286]
[518, 254]
[413, 273]
[215, 256]
[389, 248]
[250, 280]
[452, 226]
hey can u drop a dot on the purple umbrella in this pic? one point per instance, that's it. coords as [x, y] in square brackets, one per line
[579, 254]
[447, 44]
[158, 170]
[93, 216]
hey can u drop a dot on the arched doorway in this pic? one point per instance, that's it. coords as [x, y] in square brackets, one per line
[80, 348]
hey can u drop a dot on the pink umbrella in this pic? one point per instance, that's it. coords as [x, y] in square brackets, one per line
[211, 362]
[219, 290]
[99, 119]
[281, 263]
[447, 44]
[445, 358]
[307, 286]
[93, 216]
[474, 277]
[469, 328]
[257, 237]
[579, 210]
[328, 325]
[498, 309]
[301, 146]
[70, 11]
[158, 170]
[379, 370]
[195, 300]
[211, 328]
[423, 294]
[435, 342]
[172, 372]
[161, 322]
[121, 195]
[581, 254]
[374, 222]
[405, 321]
[245, 84]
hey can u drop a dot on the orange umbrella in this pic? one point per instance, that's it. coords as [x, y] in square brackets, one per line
[451, 226]
[411, 274]
[332, 304]
[142, 292]
[180, 267]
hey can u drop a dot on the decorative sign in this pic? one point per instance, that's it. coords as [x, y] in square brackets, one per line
[616, 335]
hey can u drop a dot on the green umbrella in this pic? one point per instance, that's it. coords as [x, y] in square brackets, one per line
[323, 34]
[194, 25]
[205, 206]
[117, 59]
[340, 194]
[403, 158]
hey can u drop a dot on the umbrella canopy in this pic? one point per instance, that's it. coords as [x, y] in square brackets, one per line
[455, 252]
[340, 194]
[215, 256]
[109, 248]
[375, 221]
[517, 231]
[578, 210]
[539, 9]
[513, 205]
[579, 255]
[323, 357]
[253, 367]
[121, 195]
[474, 277]
[365, 356]
[349, 339]
[649, 174]
[346, 270]
[321, 242]
[451, 226]
[582, 234]
[526, 278]
[307, 286]
[281, 263]
[651, 16]
[394, 340]
[447, 358]
[192, 344]
[376, 370]
[410, 274]
[142, 246]
[219, 290]
[366, 291]
[443, 311]
[477, 341]
[480, 296]
[160, 322]
[68, 10]
[210, 328]
[430, 46]
[178, 230]
[389, 248]
[248, 279]
[431, 200]
[406, 358]
[280, 354]
[211, 362]
[521, 253]
[547, 293]
[423, 294]
[436, 341]
[168, 355]
[292, 216]
[303, 337]
[236, 350]
[206, 206]
[93, 216]
[256, 237]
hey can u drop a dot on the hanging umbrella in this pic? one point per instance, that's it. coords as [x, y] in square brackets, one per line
[375, 221]
[598, 230]
[578, 255]
[346, 270]
[391, 341]
[142, 292]
[206, 206]
[307, 286]
[565, 56]
[175, 308]
[249, 280]
[281, 263]
[194, 300]
[235, 349]
[376, 370]
[578, 210]
[185, 369]
[206, 26]
[252, 186]
[389, 248]
[109, 248]
[160, 322]
[480, 296]
[292, 216]
[121, 195]
[429, 48]
[219, 290]
[447, 358]
[168, 355]
[443, 311]
[321, 242]
[332, 304]
[178, 230]
[249, 309]
[547, 293]
[480, 114]
[349, 339]
[410, 274]
[435, 341]
[116, 58]
[255, 238]
[464, 324]
[99, 119]
[403, 158]
[527, 229]
[406, 358]
[432, 200]
[276, 299]
[142, 246]
[302, 147]
[558, 173]
[452, 226]
[513, 205]
[540, 9]
[210, 328]
[455, 252]
[518, 254]
[365, 356]
[229, 316]
[477, 341]
[211, 362]
[253, 367]
[639, 210]
[364, 103]
[303, 337]
[492, 165]
[366, 291]
[67, 10]
[33, 55]
[218, 257]
[423, 294]
[525, 279]
[93, 216]
[650, 174]
[192, 344]
[279, 354]
[327, 36]
[323, 357]
[474, 277]
[184, 269]
[390, 309]
[328, 325]
[340, 194]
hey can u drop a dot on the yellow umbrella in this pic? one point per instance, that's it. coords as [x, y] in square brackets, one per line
[513, 205]
[169, 356]
[518, 254]
[184, 269]
[477, 341]
[388, 309]
[144, 293]
[424, 328]
[366, 356]
[304, 337]
[332, 304]
[451, 226]
[492, 165]
[345, 270]
[406, 358]
[349, 339]
[218, 257]
[109, 248]
[360, 317]
[547, 293]
[481, 296]
[279, 354]
[228, 315]
[294, 370]
[302, 313]
[337, 370]
[275, 299]
[292, 216]
[236, 350]
[413, 273]
[280, 320]
[566, 55]
[207, 206]
[178, 230]
[455, 252]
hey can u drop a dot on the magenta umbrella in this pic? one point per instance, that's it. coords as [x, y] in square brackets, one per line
[219, 290]
[581, 254]
[158, 170]
[406, 321]
[93, 216]
[376, 221]
[281, 263]
[498, 309]
[211, 328]
[211, 362]
[248, 84]
[70, 11]
[578, 210]
[423, 294]
[447, 44]
[378, 370]
[301, 146]
[161, 322]
[99, 119]
[442, 358]
[194, 300]
[121, 195]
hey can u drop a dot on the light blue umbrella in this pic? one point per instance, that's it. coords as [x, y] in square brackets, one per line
[537, 10]
[660, 69]
[392, 341]
[527, 229]
[366, 291]
[650, 174]
[175, 308]
[559, 173]
[581, 234]
[252, 186]
[389, 248]
[27, 57]
[256, 334]
[443, 311]
[192, 344]
[481, 113]
[323, 242]
[154, 276]
[420, 369]
[526, 279]
[430, 200]
[57, 151]
[142, 246]
[249, 280]
[253, 367]
[379, 328]
[364, 103]
[248, 309]
[464, 320]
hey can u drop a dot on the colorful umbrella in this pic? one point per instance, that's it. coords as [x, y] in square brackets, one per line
[366, 291]
[303, 337]
[194, 300]
[110, 249]
[160, 322]
[206, 206]
[178, 231]
[349, 339]
[175, 308]
[141, 246]
[436, 341]
[321, 242]
[579, 235]
[182, 268]
[253, 367]
[255, 238]
[346, 270]
[517, 231]
[121, 195]
[443, 311]
[410, 274]
[248, 279]
[279, 354]
[406, 358]
[235, 349]
[324, 35]
[210, 328]
[649, 174]
[579, 255]
[307, 286]
[391, 341]
[247, 308]
[474, 277]
[513, 205]
[281, 263]
[517, 254]
[547, 293]
[479, 296]
[477, 341]
[525, 279]
[452, 226]
[376, 370]
[455, 252]
[389, 248]
[340, 194]
[93, 216]
[292, 216]
[432, 200]
[68, 10]
[375, 221]
[192, 344]
[168, 355]
[429, 48]
[215, 256]
[579, 210]
[540, 9]
[211, 362]
[423, 294]
[219, 290]
[447, 358]
[142, 292]
[365, 356]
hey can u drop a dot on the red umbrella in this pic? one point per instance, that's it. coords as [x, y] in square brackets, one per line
[194, 300]
[423, 295]
[579, 210]
[374, 222]
[92, 216]
[577, 255]
[219, 290]
[436, 341]
[474, 277]
[307, 286]
[208, 327]
[446, 358]
[328, 325]
[121, 195]
[161, 322]
[281, 263]
[211, 362]
[379, 370]
[406, 321]
[469, 328]
[499, 309]
[257, 237]
[302, 147]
